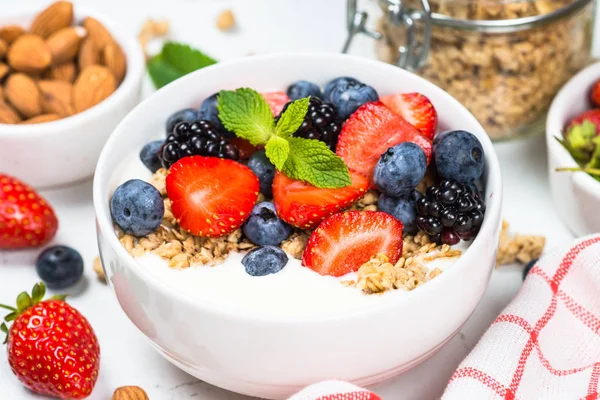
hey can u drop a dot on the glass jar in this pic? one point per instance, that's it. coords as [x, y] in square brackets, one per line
[503, 59]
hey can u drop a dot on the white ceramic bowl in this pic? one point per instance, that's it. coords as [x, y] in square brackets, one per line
[273, 357]
[576, 194]
[66, 151]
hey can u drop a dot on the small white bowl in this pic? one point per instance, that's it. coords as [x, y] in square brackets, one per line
[66, 151]
[576, 194]
[272, 357]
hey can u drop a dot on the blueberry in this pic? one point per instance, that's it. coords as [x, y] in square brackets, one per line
[528, 267]
[264, 170]
[59, 267]
[263, 227]
[301, 89]
[401, 208]
[208, 111]
[264, 261]
[459, 155]
[400, 169]
[185, 115]
[137, 207]
[149, 155]
[347, 94]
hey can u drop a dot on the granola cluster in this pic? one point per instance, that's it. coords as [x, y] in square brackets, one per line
[507, 80]
[518, 248]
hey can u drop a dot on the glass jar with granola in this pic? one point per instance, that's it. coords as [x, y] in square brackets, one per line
[503, 59]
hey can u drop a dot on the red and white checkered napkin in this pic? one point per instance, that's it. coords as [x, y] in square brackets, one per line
[545, 345]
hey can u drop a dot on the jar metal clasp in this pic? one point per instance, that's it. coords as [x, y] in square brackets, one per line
[413, 54]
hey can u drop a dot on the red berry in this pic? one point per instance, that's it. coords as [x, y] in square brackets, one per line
[52, 348]
[211, 196]
[592, 116]
[244, 147]
[595, 94]
[305, 206]
[276, 101]
[416, 109]
[26, 219]
[345, 241]
[370, 131]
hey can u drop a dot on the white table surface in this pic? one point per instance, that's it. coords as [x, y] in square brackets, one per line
[264, 26]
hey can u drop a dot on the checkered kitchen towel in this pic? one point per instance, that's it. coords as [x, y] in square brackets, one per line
[545, 344]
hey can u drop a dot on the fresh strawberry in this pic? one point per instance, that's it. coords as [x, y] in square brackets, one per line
[595, 94]
[244, 147]
[591, 115]
[345, 241]
[52, 349]
[304, 206]
[26, 219]
[416, 109]
[276, 101]
[370, 131]
[211, 196]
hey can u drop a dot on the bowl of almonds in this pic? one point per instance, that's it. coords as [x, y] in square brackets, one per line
[67, 78]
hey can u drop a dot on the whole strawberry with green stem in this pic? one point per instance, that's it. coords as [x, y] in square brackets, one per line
[52, 349]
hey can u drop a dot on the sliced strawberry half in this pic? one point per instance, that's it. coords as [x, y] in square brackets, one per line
[416, 109]
[276, 101]
[595, 94]
[305, 206]
[370, 131]
[210, 196]
[345, 241]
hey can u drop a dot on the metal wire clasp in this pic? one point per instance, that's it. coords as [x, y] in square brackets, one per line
[414, 52]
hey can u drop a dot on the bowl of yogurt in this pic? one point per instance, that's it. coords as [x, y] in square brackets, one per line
[352, 274]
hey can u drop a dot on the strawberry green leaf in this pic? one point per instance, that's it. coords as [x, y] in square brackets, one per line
[8, 307]
[292, 117]
[11, 317]
[174, 61]
[277, 151]
[37, 294]
[23, 302]
[4, 329]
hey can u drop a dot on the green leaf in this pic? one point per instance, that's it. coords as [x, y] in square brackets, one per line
[246, 113]
[11, 316]
[7, 307]
[277, 151]
[292, 118]
[23, 302]
[174, 61]
[313, 162]
[60, 297]
[37, 294]
[4, 329]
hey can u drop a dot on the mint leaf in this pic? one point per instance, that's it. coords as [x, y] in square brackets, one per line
[313, 162]
[292, 118]
[174, 61]
[277, 151]
[246, 113]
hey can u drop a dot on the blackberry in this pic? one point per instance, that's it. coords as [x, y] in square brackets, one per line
[450, 211]
[198, 138]
[321, 123]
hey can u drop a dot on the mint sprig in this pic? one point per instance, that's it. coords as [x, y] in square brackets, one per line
[246, 113]
[174, 61]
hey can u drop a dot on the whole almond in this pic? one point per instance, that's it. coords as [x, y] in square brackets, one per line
[3, 48]
[8, 115]
[3, 70]
[29, 53]
[63, 72]
[41, 119]
[115, 61]
[57, 16]
[23, 94]
[97, 32]
[10, 33]
[64, 44]
[57, 97]
[88, 54]
[94, 84]
[129, 393]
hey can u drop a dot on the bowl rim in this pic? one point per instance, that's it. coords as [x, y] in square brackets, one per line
[555, 126]
[105, 225]
[135, 71]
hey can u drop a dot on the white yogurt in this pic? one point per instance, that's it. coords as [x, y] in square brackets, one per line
[294, 291]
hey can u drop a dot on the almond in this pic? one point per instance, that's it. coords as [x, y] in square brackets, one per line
[29, 53]
[63, 72]
[3, 70]
[41, 119]
[57, 97]
[1, 94]
[88, 54]
[57, 16]
[3, 48]
[10, 33]
[114, 59]
[7, 114]
[226, 21]
[94, 84]
[64, 44]
[22, 93]
[97, 32]
[129, 393]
